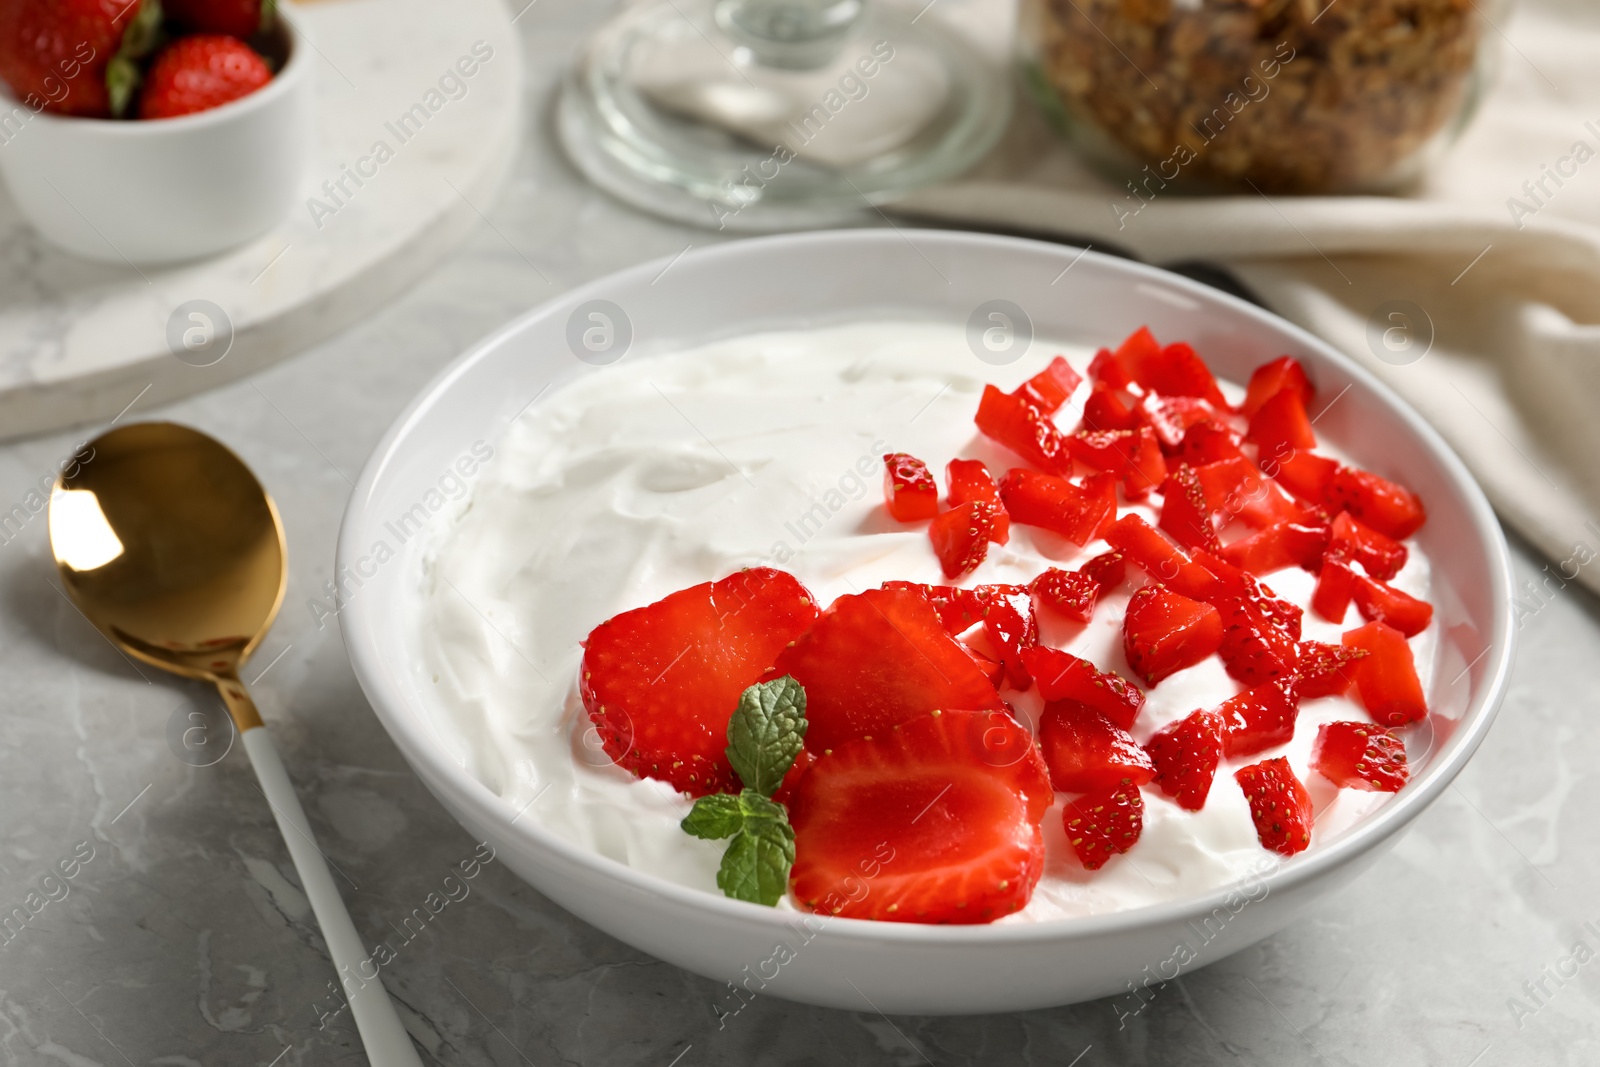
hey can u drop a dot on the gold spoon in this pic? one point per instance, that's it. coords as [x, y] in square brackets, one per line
[169, 545]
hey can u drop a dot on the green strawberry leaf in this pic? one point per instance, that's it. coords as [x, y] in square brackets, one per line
[756, 865]
[713, 817]
[766, 732]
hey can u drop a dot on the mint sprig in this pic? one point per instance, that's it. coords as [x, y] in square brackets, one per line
[764, 737]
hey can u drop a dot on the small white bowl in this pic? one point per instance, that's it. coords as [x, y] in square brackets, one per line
[168, 190]
[818, 278]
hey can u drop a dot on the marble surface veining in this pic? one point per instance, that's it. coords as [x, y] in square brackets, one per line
[181, 936]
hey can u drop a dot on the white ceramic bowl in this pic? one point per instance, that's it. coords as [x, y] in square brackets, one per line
[797, 280]
[164, 191]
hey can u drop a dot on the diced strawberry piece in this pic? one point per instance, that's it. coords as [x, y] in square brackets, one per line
[1104, 824]
[1054, 504]
[1382, 556]
[1359, 755]
[908, 488]
[660, 682]
[1069, 593]
[1324, 670]
[1186, 754]
[1149, 466]
[1014, 422]
[971, 483]
[1165, 632]
[1086, 751]
[1012, 629]
[1305, 474]
[1260, 636]
[960, 609]
[1380, 602]
[1171, 371]
[1279, 804]
[1184, 511]
[1105, 369]
[803, 760]
[1336, 584]
[1110, 409]
[1268, 379]
[1387, 677]
[1105, 450]
[1281, 428]
[1390, 509]
[1282, 545]
[875, 659]
[1143, 544]
[1108, 570]
[1172, 416]
[1063, 676]
[1236, 488]
[961, 537]
[1259, 718]
[1051, 387]
[1208, 442]
[926, 816]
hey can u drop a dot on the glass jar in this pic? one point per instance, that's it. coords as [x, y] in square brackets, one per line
[1286, 96]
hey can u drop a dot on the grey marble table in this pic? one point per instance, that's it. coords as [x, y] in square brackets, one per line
[181, 936]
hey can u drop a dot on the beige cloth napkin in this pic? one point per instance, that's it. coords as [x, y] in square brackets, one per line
[1512, 379]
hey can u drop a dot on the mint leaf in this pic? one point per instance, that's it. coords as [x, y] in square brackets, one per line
[716, 816]
[756, 865]
[766, 732]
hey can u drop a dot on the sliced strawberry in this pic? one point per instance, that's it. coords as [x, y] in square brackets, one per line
[1171, 371]
[1016, 423]
[1054, 504]
[1108, 570]
[1105, 450]
[1051, 387]
[1208, 442]
[1165, 632]
[1324, 670]
[1387, 677]
[1268, 379]
[1071, 594]
[1281, 428]
[1105, 369]
[1111, 409]
[1143, 545]
[1260, 636]
[1390, 509]
[660, 682]
[908, 488]
[1382, 556]
[1171, 417]
[1359, 755]
[1184, 511]
[1305, 474]
[922, 823]
[1186, 754]
[1380, 602]
[1063, 676]
[1236, 489]
[1013, 628]
[971, 483]
[1149, 466]
[875, 659]
[960, 609]
[1101, 490]
[1104, 824]
[1336, 584]
[1279, 804]
[961, 537]
[1282, 545]
[1259, 718]
[1086, 751]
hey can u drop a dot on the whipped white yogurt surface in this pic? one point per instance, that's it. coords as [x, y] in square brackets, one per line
[655, 474]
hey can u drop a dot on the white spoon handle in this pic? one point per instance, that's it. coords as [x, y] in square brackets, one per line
[385, 1038]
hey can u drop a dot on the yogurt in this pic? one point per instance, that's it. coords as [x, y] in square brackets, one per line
[652, 475]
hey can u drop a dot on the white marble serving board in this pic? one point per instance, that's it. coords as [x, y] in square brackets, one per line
[80, 341]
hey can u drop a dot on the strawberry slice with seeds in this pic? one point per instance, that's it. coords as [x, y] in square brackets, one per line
[1185, 514]
[1171, 371]
[1236, 488]
[1104, 824]
[909, 488]
[1186, 754]
[1165, 632]
[961, 537]
[936, 820]
[1209, 442]
[1070, 594]
[1281, 428]
[1055, 504]
[1278, 547]
[1385, 506]
[1143, 545]
[1279, 804]
[1269, 379]
[960, 609]
[1359, 755]
[1305, 474]
[1386, 677]
[1171, 417]
[1051, 387]
[1086, 751]
[1013, 628]
[1063, 676]
[1111, 409]
[970, 482]
[1324, 670]
[1016, 423]
[1380, 602]
[1108, 570]
[1381, 556]
[1259, 718]
[875, 659]
[660, 682]
[1260, 635]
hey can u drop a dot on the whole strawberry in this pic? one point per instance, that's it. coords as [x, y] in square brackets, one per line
[74, 57]
[199, 73]
[236, 18]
